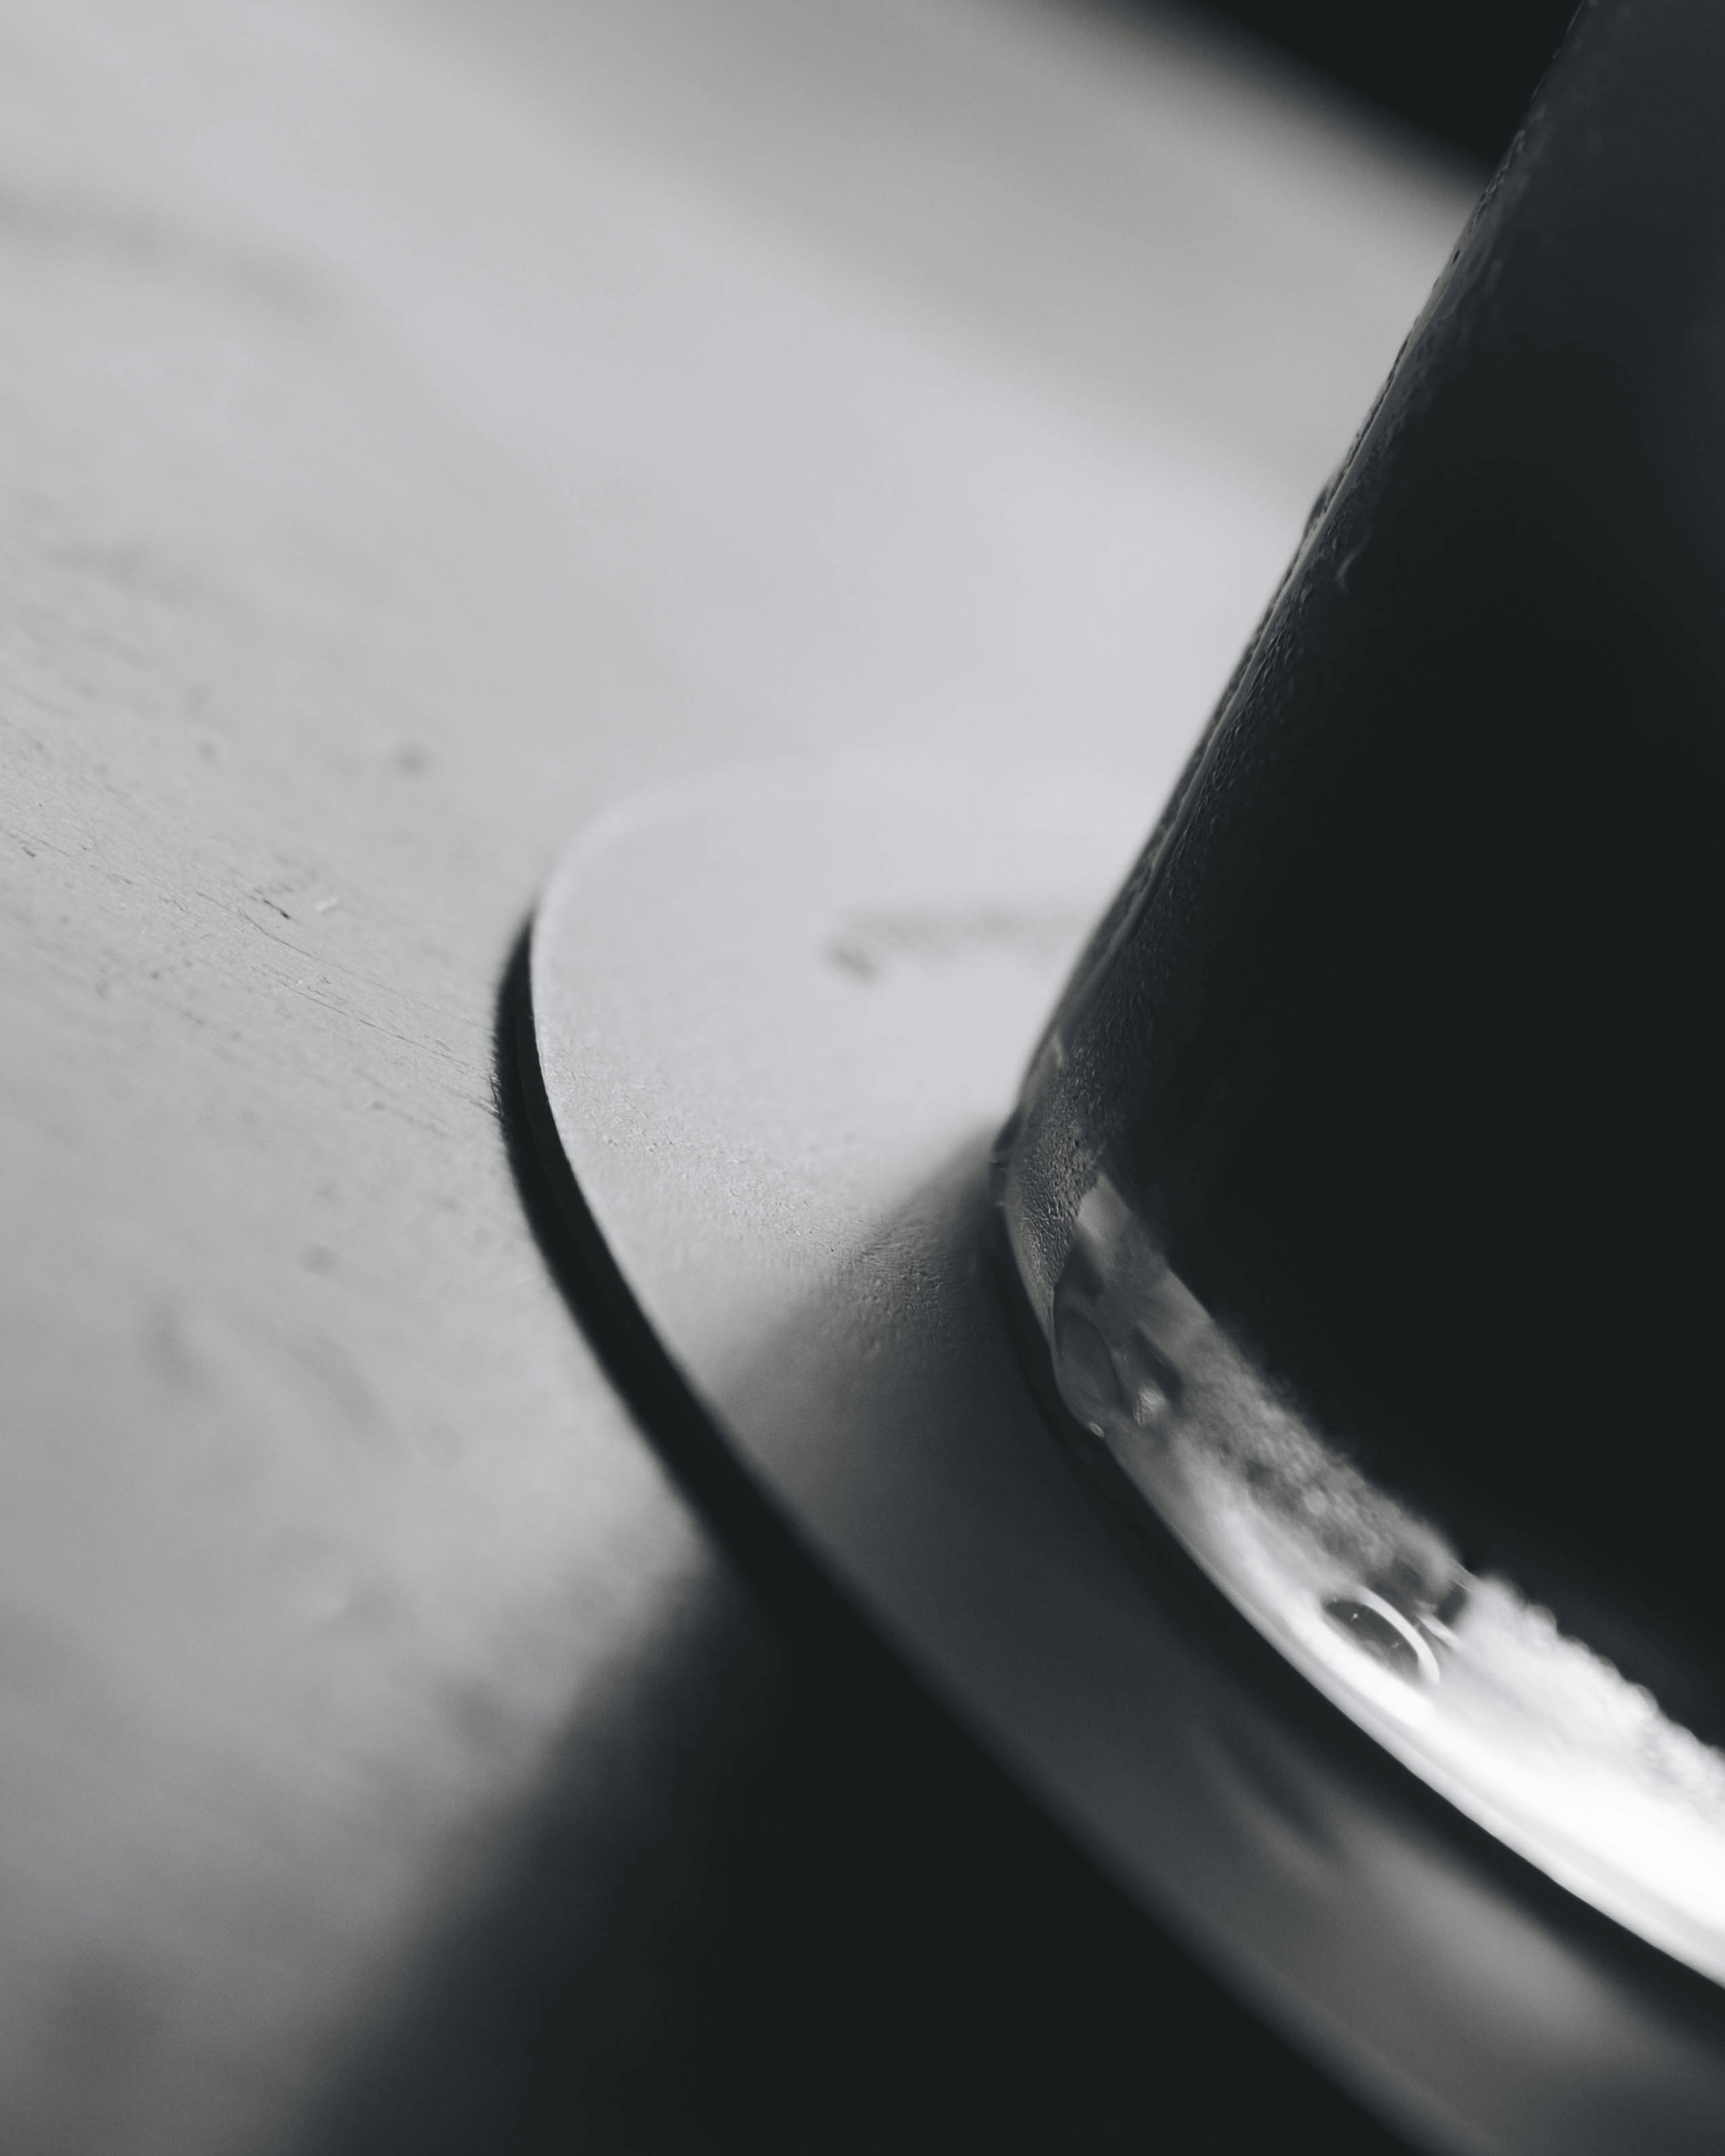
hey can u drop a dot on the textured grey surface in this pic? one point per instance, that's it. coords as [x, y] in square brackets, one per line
[420, 427]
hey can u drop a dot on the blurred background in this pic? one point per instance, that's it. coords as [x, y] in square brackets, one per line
[1462, 75]
[422, 422]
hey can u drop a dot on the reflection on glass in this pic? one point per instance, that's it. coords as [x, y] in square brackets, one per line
[1532, 1733]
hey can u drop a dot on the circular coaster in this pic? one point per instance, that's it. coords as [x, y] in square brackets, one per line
[779, 1018]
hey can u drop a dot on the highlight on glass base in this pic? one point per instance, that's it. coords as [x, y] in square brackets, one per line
[1533, 1734]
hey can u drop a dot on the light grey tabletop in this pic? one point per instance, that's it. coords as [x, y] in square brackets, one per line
[423, 425]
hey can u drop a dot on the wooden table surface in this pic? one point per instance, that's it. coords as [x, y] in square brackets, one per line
[423, 424]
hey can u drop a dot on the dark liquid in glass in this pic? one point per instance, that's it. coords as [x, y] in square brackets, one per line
[1387, 1115]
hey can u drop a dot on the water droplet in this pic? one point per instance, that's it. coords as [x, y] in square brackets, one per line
[1083, 1367]
[1381, 1631]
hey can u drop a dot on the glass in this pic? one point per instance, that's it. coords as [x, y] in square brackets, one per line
[1368, 1185]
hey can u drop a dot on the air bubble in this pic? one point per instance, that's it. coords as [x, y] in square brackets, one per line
[1152, 1384]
